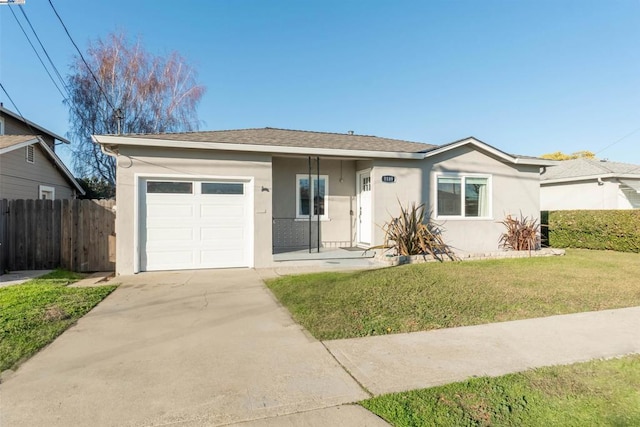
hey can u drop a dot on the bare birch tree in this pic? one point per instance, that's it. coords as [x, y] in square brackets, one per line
[137, 93]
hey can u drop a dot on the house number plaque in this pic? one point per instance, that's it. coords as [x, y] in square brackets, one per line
[388, 178]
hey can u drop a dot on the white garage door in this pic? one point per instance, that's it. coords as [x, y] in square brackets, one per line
[194, 224]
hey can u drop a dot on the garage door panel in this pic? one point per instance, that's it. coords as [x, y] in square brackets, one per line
[168, 260]
[187, 231]
[223, 211]
[223, 258]
[165, 210]
[167, 234]
[212, 235]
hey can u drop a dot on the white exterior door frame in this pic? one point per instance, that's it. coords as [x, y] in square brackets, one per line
[363, 209]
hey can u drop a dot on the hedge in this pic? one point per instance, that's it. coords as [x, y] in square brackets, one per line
[616, 230]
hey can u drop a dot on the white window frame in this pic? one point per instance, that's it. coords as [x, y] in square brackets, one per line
[1, 125]
[46, 189]
[30, 149]
[324, 217]
[463, 177]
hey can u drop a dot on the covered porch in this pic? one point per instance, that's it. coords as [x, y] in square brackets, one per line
[321, 208]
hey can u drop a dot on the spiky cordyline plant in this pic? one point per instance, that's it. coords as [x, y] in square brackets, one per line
[521, 234]
[409, 234]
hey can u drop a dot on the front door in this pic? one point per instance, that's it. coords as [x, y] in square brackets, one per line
[364, 208]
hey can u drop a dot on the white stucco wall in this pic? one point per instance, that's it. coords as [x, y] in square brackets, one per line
[588, 195]
[515, 190]
[192, 163]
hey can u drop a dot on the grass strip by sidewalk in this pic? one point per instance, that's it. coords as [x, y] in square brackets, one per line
[442, 295]
[602, 393]
[34, 313]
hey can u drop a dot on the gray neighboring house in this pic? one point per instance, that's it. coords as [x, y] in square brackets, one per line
[29, 166]
[590, 184]
[236, 198]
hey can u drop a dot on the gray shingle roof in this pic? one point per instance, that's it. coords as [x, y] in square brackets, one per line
[588, 167]
[295, 138]
[7, 141]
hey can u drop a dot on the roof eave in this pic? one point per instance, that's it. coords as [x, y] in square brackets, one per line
[490, 149]
[61, 166]
[110, 140]
[19, 145]
[34, 125]
[590, 178]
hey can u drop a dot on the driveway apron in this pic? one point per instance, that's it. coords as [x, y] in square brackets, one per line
[185, 348]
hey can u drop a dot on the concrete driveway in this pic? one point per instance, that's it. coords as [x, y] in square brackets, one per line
[179, 348]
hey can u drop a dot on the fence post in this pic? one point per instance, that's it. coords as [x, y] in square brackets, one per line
[4, 236]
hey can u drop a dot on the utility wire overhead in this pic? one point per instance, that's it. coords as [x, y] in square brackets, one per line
[55, 69]
[17, 109]
[65, 94]
[114, 109]
[618, 140]
[37, 54]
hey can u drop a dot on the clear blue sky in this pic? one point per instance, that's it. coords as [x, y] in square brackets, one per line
[528, 77]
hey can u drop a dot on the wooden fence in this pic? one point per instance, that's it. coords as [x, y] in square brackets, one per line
[46, 234]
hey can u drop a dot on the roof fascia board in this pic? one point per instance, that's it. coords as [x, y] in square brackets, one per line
[590, 178]
[14, 147]
[34, 125]
[494, 151]
[535, 162]
[61, 165]
[276, 149]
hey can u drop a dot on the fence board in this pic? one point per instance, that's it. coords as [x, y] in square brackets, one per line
[4, 244]
[44, 234]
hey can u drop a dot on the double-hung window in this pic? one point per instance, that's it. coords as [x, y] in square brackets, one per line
[311, 196]
[464, 196]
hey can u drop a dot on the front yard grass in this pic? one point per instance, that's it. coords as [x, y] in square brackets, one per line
[602, 393]
[34, 313]
[442, 295]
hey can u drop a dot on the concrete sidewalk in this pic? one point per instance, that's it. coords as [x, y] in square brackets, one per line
[400, 362]
[17, 277]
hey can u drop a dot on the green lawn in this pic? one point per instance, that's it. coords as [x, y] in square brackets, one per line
[34, 313]
[597, 393]
[442, 295]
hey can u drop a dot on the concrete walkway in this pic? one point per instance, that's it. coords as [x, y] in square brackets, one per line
[192, 348]
[400, 362]
[200, 348]
[17, 277]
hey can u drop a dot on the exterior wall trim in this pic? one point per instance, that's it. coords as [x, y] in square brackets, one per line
[254, 148]
[591, 177]
[110, 140]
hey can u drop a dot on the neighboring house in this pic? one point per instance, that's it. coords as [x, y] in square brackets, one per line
[234, 198]
[29, 166]
[590, 184]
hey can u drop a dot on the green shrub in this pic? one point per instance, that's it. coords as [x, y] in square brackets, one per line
[414, 233]
[616, 230]
[521, 234]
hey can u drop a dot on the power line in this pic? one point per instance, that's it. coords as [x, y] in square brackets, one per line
[11, 100]
[17, 109]
[618, 140]
[66, 94]
[114, 109]
[36, 52]
[55, 69]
